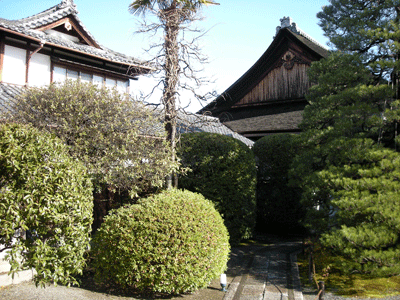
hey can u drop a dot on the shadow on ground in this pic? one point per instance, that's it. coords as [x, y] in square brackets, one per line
[239, 261]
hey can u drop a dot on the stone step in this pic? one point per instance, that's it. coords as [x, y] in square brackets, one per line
[19, 277]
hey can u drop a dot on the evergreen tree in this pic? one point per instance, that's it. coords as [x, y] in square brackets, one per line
[345, 97]
[363, 180]
[349, 180]
[370, 29]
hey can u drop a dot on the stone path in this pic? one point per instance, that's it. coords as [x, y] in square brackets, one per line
[271, 274]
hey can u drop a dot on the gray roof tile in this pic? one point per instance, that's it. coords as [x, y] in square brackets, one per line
[201, 123]
[279, 122]
[8, 93]
[28, 26]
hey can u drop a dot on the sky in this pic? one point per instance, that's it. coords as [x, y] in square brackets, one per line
[238, 33]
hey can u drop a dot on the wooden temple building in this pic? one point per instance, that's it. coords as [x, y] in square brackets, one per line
[270, 97]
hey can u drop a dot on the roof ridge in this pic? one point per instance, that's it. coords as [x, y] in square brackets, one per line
[287, 22]
[65, 5]
[59, 11]
[28, 26]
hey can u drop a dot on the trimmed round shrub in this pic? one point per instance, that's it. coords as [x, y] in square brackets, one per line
[173, 242]
[278, 205]
[223, 170]
[46, 205]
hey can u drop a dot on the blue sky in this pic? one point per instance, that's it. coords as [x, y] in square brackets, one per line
[240, 31]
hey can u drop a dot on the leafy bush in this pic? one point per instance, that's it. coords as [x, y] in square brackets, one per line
[278, 204]
[119, 141]
[46, 193]
[223, 170]
[173, 242]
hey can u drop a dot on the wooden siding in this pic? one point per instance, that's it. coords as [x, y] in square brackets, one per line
[280, 83]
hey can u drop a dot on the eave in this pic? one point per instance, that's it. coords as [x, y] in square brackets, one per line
[261, 68]
[137, 69]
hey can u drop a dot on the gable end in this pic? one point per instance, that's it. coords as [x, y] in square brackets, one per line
[68, 26]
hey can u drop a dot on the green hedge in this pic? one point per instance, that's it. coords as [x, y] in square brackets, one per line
[278, 204]
[46, 193]
[223, 170]
[173, 242]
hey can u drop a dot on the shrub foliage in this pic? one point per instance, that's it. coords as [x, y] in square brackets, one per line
[173, 242]
[117, 139]
[278, 204]
[46, 193]
[223, 170]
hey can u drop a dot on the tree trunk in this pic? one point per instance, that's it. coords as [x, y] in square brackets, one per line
[171, 69]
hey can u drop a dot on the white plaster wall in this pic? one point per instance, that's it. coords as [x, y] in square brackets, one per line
[39, 70]
[14, 65]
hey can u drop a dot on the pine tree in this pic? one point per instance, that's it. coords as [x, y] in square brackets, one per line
[370, 29]
[347, 98]
[349, 179]
[364, 182]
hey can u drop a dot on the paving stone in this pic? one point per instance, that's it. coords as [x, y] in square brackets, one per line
[256, 279]
[267, 277]
[250, 297]
[253, 289]
[272, 296]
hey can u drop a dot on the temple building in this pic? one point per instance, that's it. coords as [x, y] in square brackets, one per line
[270, 97]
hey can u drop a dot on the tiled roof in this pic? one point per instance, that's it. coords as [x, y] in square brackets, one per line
[186, 122]
[28, 27]
[286, 22]
[280, 122]
[8, 93]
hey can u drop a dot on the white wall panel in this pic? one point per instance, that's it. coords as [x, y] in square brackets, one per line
[39, 70]
[14, 65]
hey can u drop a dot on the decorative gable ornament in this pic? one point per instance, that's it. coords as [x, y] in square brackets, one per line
[286, 22]
[289, 59]
[269, 98]
[67, 3]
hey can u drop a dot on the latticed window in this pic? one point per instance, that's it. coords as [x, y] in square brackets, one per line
[60, 74]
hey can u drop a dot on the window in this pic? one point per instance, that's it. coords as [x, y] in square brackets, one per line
[74, 75]
[85, 77]
[60, 74]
